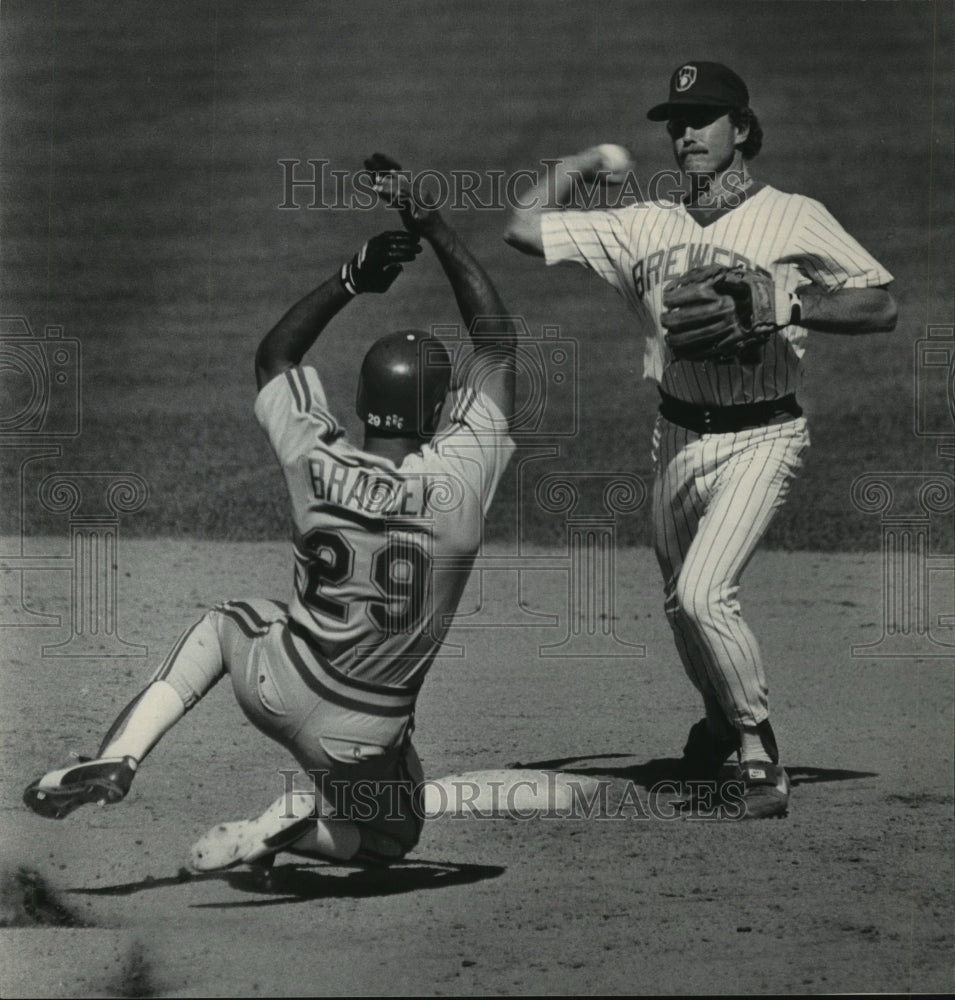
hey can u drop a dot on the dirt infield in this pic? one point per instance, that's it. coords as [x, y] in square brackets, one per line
[850, 893]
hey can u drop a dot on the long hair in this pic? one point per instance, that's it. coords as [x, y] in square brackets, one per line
[741, 118]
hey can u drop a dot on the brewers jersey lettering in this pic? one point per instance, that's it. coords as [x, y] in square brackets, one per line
[640, 248]
[382, 552]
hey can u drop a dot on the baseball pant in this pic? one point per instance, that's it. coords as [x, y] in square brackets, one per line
[714, 498]
[353, 739]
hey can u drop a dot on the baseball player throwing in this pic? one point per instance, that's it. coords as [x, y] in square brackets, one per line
[724, 282]
[384, 537]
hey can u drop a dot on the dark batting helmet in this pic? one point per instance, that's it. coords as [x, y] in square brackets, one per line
[403, 383]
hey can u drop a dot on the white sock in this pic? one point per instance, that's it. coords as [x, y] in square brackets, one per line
[157, 711]
[751, 745]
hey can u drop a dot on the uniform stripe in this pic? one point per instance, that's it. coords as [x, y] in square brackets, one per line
[293, 389]
[389, 691]
[298, 386]
[327, 683]
[306, 391]
[464, 400]
[248, 619]
[163, 672]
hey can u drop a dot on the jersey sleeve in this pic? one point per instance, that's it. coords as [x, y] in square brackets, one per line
[476, 446]
[829, 256]
[292, 410]
[593, 239]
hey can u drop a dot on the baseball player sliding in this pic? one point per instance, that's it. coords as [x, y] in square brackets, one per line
[384, 538]
[724, 282]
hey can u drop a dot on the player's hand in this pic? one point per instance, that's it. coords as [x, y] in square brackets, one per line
[376, 266]
[417, 212]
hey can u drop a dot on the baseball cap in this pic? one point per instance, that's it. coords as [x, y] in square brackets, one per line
[701, 84]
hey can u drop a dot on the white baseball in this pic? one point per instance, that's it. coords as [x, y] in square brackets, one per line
[616, 159]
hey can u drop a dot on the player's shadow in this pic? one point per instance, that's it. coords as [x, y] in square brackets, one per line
[298, 883]
[667, 769]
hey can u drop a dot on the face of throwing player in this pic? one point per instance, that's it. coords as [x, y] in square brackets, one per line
[705, 141]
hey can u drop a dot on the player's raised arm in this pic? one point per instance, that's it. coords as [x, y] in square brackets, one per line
[493, 332]
[373, 269]
[607, 163]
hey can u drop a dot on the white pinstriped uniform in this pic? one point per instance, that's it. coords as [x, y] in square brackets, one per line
[716, 493]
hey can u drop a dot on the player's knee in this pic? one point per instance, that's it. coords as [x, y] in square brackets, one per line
[685, 603]
[205, 631]
[701, 602]
[195, 662]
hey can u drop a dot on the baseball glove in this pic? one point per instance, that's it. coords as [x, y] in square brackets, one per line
[718, 313]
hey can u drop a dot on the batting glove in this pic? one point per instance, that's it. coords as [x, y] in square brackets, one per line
[376, 266]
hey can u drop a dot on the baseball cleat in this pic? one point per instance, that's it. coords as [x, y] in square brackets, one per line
[765, 790]
[705, 754]
[248, 841]
[102, 781]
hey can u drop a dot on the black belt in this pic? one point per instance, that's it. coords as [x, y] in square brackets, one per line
[728, 419]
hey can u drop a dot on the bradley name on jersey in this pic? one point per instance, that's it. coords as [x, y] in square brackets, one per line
[369, 492]
[662, 266]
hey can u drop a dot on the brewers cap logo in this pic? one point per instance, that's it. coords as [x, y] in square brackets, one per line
[685, 78]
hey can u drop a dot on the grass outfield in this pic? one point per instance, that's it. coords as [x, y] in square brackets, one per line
[140, 191]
